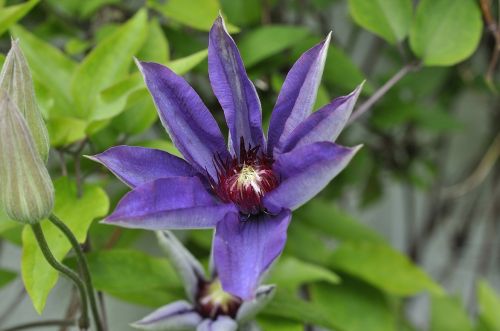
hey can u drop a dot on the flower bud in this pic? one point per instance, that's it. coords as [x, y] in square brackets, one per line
[16, 81]
[26, 191]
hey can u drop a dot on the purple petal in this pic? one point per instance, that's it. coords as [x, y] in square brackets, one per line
[233, 89]
[138, 165]
[177, 316]
[297, 95]
[169, 203]
[244, 250]
[192, 128]
[323, 125]
[188, 268]
[304, 172]
[222, 323]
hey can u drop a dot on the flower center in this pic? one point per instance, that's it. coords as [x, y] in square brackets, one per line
[213, 301]
[246, 180]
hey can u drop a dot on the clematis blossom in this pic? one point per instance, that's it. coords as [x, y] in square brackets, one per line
[248, 190]
[207, 306]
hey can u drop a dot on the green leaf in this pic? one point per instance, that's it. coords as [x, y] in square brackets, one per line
[376, 263]
[183, 65]
[198, 14]
[242, 12]
[65, 130]
[12, 14]
[448, 314]
[279, 324]
[107, 62]
[135, 277]
[88, 7]
[155, 48]
[390, 19]
[354, 306]
[446, 32]
[290, 273]
[6, 276]
[327, 218]
[489, 305]
[288, 306]
[2, 59]
[50, 67]
[267, 41]
[139, 114]
[77, 213]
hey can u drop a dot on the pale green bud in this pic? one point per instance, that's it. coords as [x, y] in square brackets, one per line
[26, 190]
[15, 79]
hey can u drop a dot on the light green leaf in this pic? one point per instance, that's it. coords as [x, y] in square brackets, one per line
[135, 277]
[290, 273]
[12, 14]
[446, 32]
[198, 14]
[6, 276]
[2, 59]
[106, 63]
[50, 67]
[354, 306]
[489, 305]
[448, 314]
[267, 41]
[390, 19]
[65, 130]
[376, 263]
[163, 145]
[155, 48]
[77, 213]
[183, 65]
[88, 7]
[139, 114]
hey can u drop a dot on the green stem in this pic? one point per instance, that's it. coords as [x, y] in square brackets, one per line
[82, 262]
[44, 247]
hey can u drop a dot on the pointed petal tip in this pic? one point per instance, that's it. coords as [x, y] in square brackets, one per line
[92, 157]
[328, 38]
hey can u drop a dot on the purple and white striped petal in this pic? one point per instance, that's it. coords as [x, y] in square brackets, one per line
[177, 316]
[244, 250]
[323, 125]
[233, 89]
[139, 165]
[304, 172]
[169, 203]
[185, 264]
[222, 323]
[192, 128]
[298, 94]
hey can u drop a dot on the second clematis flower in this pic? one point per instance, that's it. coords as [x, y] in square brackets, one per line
[247, 192]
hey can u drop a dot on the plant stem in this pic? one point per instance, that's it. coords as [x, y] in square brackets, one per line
[82, 262]
[44, 247]
[382, 91]
[41, 324]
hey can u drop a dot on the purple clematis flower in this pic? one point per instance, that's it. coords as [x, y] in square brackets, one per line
[247, 192]
[208, 307]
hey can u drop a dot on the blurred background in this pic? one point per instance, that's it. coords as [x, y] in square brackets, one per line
[406, 238]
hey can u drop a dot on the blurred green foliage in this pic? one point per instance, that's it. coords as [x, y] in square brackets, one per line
[336, 272]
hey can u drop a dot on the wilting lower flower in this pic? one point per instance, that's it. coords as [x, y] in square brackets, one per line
[15, 79]
[248, 192]
[209, 308]
[26, 191]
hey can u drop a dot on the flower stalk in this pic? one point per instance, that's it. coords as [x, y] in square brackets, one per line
[83, 321]
[84, 269]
